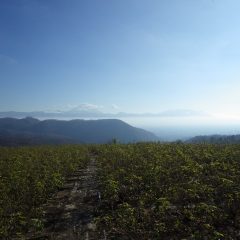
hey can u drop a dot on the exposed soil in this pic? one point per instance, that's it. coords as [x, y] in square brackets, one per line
[69, 214]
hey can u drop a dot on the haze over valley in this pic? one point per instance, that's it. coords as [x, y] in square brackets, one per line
[168, 125]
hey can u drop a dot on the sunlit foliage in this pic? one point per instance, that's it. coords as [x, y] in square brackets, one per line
[146, 190]
[28, 176]
[170, 191]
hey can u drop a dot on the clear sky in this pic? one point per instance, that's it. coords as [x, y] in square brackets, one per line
[124, 55]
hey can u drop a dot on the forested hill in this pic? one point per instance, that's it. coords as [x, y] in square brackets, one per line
[216, 139]
[31, 131]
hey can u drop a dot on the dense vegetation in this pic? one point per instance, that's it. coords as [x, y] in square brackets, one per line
[28, 176]
[172, 191]
[148, 191]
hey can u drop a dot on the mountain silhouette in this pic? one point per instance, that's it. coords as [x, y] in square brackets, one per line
[31, 131]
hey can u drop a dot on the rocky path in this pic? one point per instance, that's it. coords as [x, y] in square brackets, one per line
[70, 212]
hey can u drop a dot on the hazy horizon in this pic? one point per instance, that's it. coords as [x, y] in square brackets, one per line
[173, 128]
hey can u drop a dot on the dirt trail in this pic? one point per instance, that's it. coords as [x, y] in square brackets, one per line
[70, 212]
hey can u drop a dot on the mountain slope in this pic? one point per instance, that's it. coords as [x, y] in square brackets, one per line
[31, 131]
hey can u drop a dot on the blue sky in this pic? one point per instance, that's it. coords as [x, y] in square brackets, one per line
[128, 55]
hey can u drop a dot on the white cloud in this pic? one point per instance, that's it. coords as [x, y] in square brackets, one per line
[82, 107]
[88, 106]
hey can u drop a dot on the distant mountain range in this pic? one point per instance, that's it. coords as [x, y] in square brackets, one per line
[216, 139]
[31, 131]
[93, 113]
